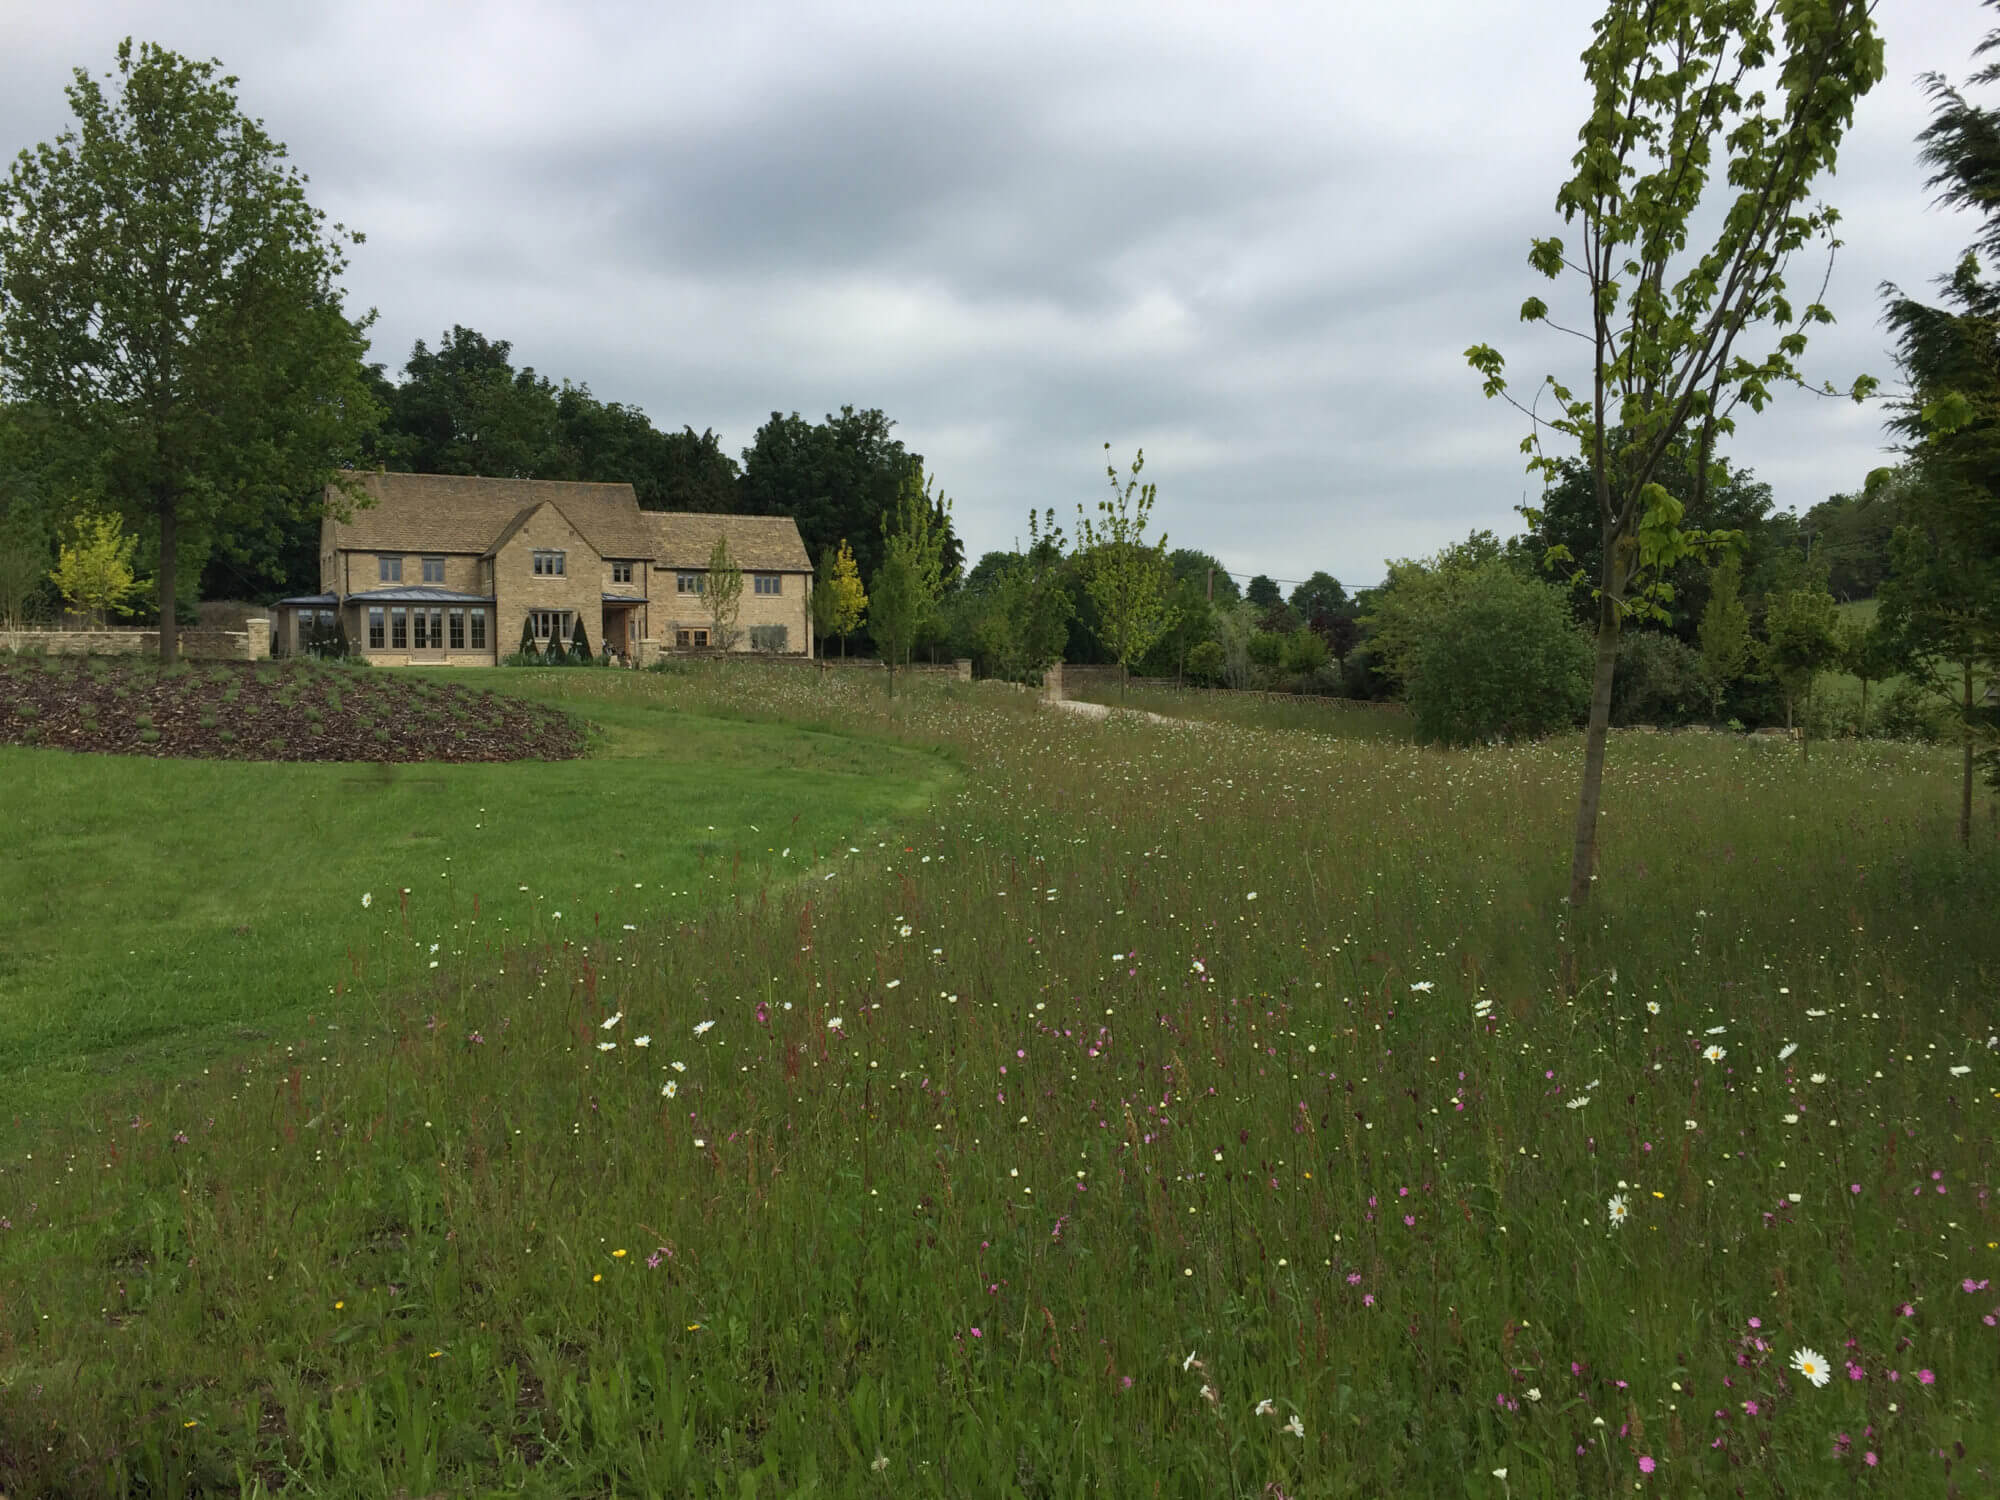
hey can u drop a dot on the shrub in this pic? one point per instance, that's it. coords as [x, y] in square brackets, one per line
[1660, 680]
[579, 646]
[1910, 713]
[770, 638]
[1504, 657]
[1267, 649]
[1205, 663]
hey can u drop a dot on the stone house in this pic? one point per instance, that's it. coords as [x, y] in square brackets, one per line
[448, 569]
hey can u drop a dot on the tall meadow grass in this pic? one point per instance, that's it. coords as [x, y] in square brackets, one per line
[1181, 1109]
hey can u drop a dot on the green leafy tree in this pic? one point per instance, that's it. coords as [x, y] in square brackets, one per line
[1304, 653]
[172, 303]
[843, 477]
[913, 572]
[1203, 570]
[1125, 575]
[1726, 643]
[1400, 615]
[24, 567]
[842, 603]
[1663, 314]
[1205, 663]
[1868, 653]
[1501, 656]
[94, 569]
[1262, 592]
[1019, 612]
[1320, 597]
[1801, 640]
[722, 595]
[1941, 602]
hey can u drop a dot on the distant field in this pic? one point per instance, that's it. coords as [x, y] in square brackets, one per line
[1158, 1110]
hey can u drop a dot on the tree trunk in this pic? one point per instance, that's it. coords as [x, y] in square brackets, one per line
[169, 548]
[1965, 788]
[1805, 726]
[1864, 708]
[1583, 855]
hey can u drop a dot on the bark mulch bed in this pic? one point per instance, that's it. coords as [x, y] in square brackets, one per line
[289, 710]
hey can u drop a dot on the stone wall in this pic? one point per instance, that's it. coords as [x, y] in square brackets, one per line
[250, 644]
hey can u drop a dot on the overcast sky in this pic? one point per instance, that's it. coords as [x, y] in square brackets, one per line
[1254, 240]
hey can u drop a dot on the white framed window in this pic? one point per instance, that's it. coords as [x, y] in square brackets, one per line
[767, 583]
[549, 563]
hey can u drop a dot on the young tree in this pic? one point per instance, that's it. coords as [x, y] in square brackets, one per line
[839, 602]
[1801, 629]
[1126, 576]
[1726, 643]
[94, 569]
[912, 575]
[1868, 653]
[1662, 318]
[722, 595]
[172, 302]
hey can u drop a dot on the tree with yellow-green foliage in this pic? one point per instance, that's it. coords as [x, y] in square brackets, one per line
[94, 568]
[839, 601]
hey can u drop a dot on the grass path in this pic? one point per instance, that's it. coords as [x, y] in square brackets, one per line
[155, 913]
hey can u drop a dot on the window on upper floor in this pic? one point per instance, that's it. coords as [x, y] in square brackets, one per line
[621, 572]
[548, 563]
[690, 583]
[389, 569]
[433, 570]
[767, 583]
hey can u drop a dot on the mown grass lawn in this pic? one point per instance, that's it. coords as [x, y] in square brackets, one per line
[1170, 1110]
[156, 912]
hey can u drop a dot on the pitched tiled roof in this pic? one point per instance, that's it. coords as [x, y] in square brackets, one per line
[463, 513]
[763, 544]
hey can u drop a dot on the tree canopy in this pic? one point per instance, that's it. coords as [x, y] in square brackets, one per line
[173, 306]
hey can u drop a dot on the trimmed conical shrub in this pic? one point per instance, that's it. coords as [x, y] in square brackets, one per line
[579, 646]
[527, 647]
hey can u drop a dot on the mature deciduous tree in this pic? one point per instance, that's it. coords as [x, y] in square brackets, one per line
[172, 300]
[1192, 565]
[1774, 83]
[1263, 591]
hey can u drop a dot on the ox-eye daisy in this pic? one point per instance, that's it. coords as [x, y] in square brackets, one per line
[1810, 1363]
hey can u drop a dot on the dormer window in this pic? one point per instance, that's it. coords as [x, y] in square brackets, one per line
[548, 564]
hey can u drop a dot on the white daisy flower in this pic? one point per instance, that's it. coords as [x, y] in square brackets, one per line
[1714, 1053]
[642, 1041]
[1424, 986]
[1295, 1427]
[1617, 1210]
[1812, 1364]
[607, 1046]
[669, 1089]
[1787, 1050]
[701, 1028]
[367, 899]
[610, 1021]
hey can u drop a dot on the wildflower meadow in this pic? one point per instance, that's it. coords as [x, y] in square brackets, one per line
[1166, 1109]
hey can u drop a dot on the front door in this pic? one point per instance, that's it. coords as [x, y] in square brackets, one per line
[616, 631]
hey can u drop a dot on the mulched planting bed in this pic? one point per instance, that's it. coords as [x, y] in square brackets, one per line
[289, 710]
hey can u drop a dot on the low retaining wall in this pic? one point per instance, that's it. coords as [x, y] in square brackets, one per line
[251, 644]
